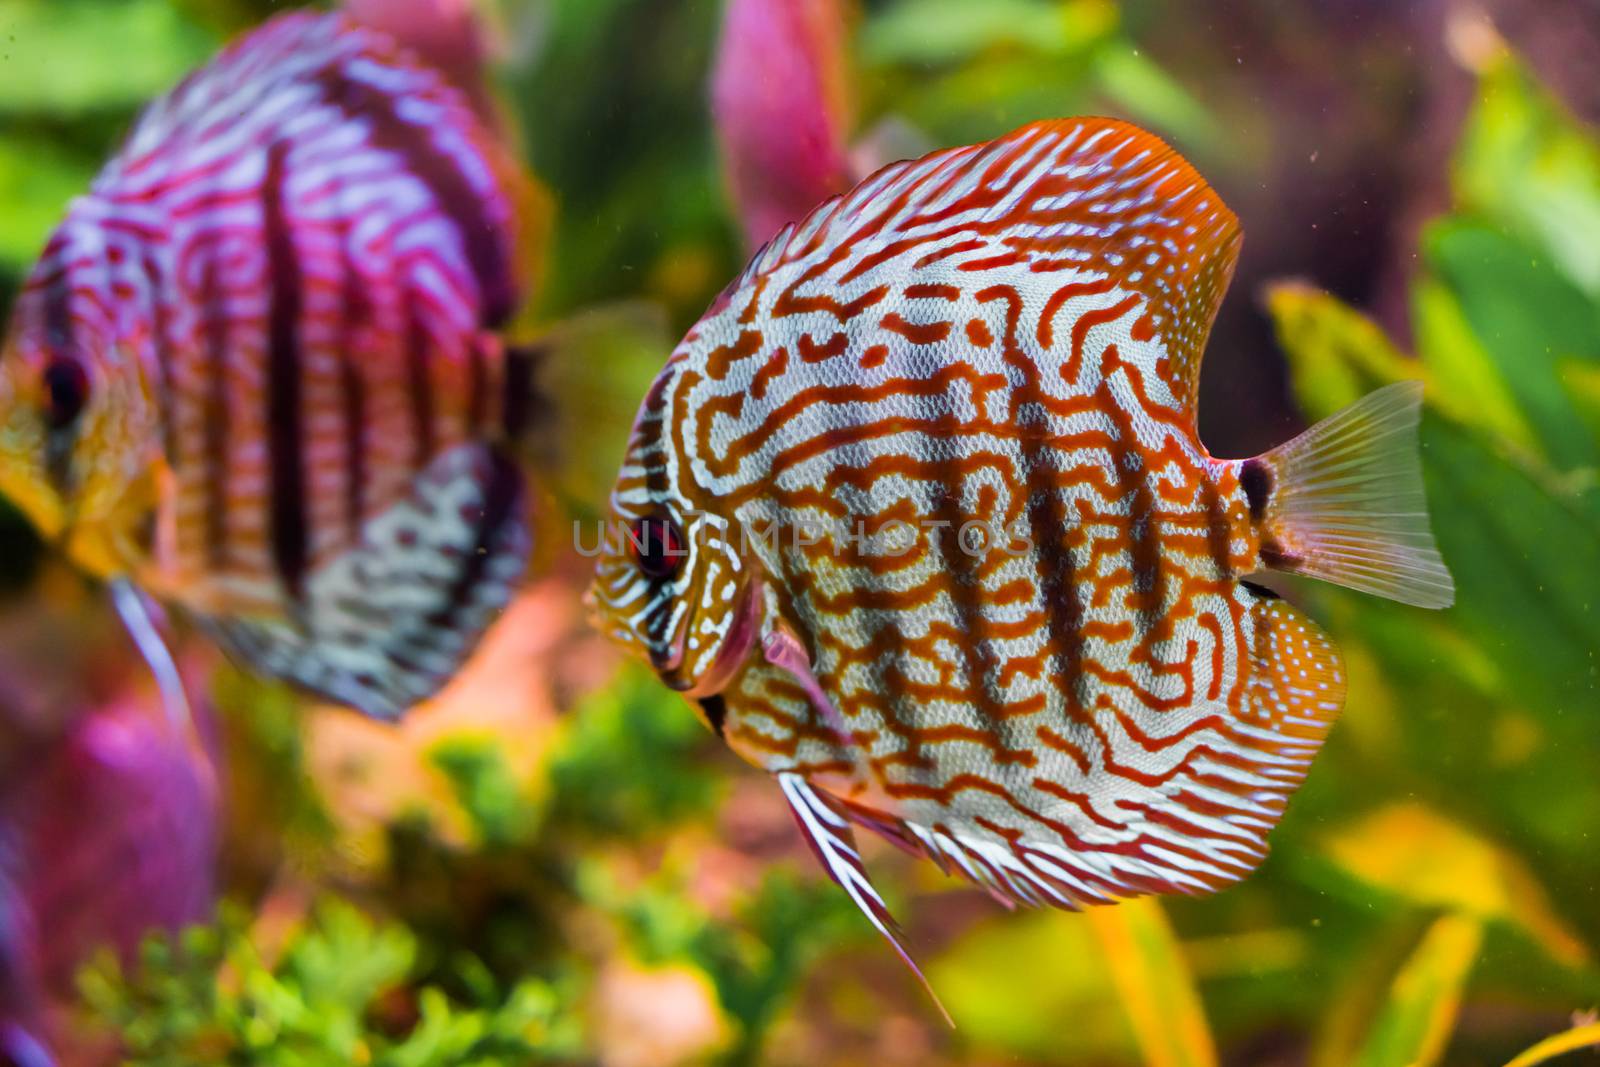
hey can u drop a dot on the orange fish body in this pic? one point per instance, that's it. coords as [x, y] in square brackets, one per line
[918, 514]
[257, 370]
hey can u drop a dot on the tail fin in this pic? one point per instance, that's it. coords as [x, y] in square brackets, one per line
[1343, 502]
[566, 382]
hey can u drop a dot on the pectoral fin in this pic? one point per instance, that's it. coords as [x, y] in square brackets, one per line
[783, 649]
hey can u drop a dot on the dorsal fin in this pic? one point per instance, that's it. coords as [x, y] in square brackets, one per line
[413, 152]
[448, 36]
[1094, 195]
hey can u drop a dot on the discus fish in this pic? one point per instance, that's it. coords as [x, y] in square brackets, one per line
[257, 372]
[918, 515]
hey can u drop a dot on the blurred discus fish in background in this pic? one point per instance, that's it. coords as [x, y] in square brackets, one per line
[259, 374]
[919, 517]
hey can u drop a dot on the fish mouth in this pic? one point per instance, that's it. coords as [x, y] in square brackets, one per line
[92, 545]
[666, 661]
[736, 646]
[114, 537]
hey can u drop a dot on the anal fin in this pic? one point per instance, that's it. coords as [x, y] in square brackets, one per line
[384, 625]
[1296, 687]
[826, 827]
[138, 616]
[1209, 829]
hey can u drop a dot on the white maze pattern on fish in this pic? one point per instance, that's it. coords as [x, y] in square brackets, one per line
[1008, 335]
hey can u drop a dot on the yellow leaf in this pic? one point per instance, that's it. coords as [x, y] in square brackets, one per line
[1154, 982]
[1559, 1045]
[1419, 855]
[1012, 980]
[1413, 1026]
[1336, 354]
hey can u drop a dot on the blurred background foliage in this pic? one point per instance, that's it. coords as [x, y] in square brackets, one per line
[554, 863]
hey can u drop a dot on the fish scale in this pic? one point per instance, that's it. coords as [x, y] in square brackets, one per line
[1008, 334]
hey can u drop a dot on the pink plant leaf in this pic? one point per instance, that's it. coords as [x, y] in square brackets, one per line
[117, 832]
[780, 101]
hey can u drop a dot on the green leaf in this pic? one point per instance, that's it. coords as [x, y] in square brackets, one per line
[37, 179]
[1582, 382]
[760, 959]
[501, 812]
[1466, 383]
[351, 960]
[329, 1000]
[620, 767]
[1525, 550]
[1414, 1024]
[757, 958]
[946, 31]
[1525, 163]
[1006, 1009]
[1336, 354]
[68, 57]
[1529, 319]
[1150, 95]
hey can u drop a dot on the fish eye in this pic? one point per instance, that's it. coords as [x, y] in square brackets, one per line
[658, 546]
[66, 386]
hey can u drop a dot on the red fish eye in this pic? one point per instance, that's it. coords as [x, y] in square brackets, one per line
[658, 545]
[66, 386]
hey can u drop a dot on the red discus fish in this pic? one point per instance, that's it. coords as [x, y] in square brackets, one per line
[918, 515]
[257, 370]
